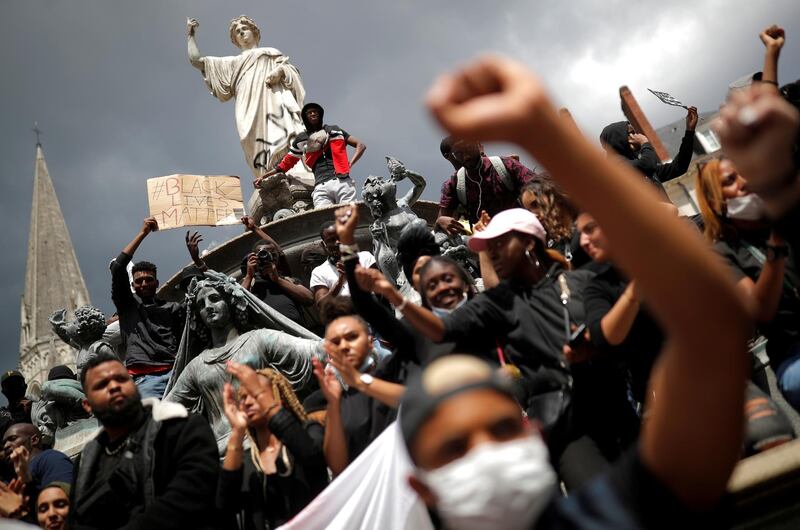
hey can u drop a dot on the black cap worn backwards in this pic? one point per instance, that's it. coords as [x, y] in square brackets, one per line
[442, 379]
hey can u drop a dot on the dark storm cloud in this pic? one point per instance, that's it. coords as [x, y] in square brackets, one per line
[111, 87]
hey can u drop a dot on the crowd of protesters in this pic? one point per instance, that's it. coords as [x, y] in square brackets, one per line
[597, 372]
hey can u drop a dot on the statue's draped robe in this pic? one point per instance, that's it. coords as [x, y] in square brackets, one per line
[267, 118]
[200, 385]
[199, 374]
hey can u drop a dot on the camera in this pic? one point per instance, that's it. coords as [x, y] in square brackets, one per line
[264, 257]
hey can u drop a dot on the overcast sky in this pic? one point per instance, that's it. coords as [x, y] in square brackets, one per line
[112, 89]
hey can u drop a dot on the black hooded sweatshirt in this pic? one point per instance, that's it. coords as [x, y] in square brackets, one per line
[647, 162]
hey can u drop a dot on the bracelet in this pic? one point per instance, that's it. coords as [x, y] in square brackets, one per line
[770, 81]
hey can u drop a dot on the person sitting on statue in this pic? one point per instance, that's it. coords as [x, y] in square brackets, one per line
[329, 279]
[153, 464]
[323, 148]
[285, 467]
[34, 465]
[225, 322]
[60, 402]
[480, 183]
[150, 327]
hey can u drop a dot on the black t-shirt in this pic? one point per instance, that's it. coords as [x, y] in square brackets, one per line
[272, 295]
[628, 497]
[783, 330]
[151, 331]
[641, 347]
[526, 321]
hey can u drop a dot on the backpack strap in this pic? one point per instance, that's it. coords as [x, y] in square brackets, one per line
[501, 169]
[461, 186]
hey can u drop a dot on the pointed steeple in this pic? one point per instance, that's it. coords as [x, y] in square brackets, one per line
[53, 280]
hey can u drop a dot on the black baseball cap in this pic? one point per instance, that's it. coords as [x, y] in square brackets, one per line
[9, 374]
[61, 371]
[442, 379]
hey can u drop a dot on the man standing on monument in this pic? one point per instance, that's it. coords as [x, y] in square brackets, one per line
[323, 148]
[267, 89]
[150, 327]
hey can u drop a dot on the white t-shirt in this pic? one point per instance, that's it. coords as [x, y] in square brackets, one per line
[326, 274]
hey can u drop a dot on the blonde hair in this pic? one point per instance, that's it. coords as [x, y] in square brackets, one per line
[247, 20]
[281, 390]
[709, 198]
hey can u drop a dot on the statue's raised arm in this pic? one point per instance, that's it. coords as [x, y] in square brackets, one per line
[195, 59]
[398, 172]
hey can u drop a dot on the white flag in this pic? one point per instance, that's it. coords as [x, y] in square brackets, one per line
[373, 492]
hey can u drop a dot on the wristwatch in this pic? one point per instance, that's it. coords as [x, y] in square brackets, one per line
[366, 379]
[775, 252]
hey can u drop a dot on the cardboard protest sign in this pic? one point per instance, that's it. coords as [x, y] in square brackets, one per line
[184, 200]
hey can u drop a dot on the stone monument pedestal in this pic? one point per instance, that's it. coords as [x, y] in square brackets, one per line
[71, 439]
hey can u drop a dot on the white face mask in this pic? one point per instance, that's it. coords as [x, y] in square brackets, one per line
[496, 485]
[441, 311]
[746, 208]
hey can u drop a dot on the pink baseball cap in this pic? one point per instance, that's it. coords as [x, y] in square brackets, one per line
[515, 219]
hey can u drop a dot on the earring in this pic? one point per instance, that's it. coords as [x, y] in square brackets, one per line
[535, 261]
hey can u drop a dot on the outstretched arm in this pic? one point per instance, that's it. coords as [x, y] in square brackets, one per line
[149, 225]
[195, 59]
[250, 224]
[193, 246]
[693, 438]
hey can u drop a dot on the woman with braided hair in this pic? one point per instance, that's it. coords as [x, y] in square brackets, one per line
[286, 468]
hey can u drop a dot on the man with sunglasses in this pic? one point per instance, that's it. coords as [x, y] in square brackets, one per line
[150, 327]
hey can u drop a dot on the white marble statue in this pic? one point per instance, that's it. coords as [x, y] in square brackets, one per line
[267, 90]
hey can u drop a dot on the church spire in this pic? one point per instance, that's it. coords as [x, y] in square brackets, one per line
[53, 279]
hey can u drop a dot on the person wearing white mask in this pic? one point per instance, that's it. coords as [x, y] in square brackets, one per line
[478, 465]
[736, 224]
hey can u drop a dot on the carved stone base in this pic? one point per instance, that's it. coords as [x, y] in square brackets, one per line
[71, 439]
[280, 193]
